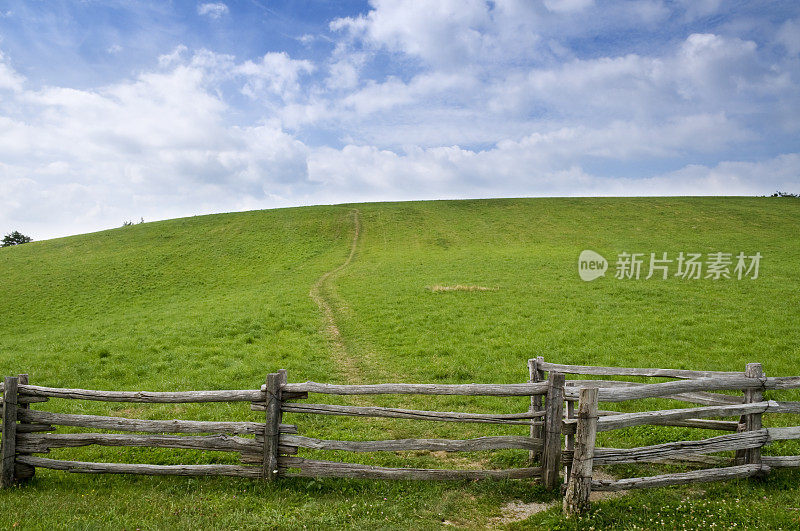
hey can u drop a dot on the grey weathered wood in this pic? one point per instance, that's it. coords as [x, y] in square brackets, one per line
[144, 396]
[7, 446]
[579, 485]
[271, 426]
[149, 470]
[699, 397]
[261, 404]
[536, 375]
[626, 371]
[718, 383]
[789, 407]
[22, 471]
[671, 450]
[34, 428]
[442, 416]
[708, 424]
[569, 440]
[283, 379]
[752, 456]
[30, 400]
[624, 420]
[521, 389]
[779, 434]
[782, 382]
[791, 461]
[683, 478]
[284, 428]
[781, 407]
[399, 445]
[316, 468]
[706, 460]
[554, 411]
[257, 458]
[706, 399]
[688, 459]
[41, 443]
[149, 426]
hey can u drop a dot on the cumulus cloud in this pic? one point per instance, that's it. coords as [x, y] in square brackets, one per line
[154, 146]
[519, 169]
[9, 79]
[412, 101]
[275, 73]
[212, 9]
[567, 6]
[446, 33]
[789, 36]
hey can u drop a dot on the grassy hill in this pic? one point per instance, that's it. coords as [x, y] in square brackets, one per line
[216, 302]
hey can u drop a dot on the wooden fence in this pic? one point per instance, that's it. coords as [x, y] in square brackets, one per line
[747, 439]
[268, 449]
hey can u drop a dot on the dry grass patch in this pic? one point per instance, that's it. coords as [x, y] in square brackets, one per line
[460, 287]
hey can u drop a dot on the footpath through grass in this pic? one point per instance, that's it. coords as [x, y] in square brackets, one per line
[216, 302]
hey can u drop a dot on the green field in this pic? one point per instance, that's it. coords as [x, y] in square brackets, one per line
[217, 302]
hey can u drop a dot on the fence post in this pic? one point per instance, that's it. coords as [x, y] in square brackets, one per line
[536, 375]
[23, 471]
[283, 380]
[10, 399]
[569, 442]
[752, 456]
[272, 427]
[554, 411]
[576, 499]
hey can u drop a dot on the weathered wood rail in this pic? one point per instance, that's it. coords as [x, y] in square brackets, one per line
[268, 449]
[581, 456]
[271, 449]
[289, 465]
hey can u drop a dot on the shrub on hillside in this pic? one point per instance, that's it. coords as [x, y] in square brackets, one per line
[15, 238]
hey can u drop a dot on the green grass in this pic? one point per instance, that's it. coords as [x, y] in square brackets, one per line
[217, 302]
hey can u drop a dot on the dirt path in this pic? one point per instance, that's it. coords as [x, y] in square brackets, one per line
[321, 295]
[517, 511]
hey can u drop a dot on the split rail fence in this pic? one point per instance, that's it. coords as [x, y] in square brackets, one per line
[269, 449]
[696, 387]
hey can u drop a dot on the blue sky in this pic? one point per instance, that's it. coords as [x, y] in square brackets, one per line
[114, 110]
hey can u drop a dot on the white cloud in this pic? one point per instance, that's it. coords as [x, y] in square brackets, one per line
[9, 79]
[628, 140]
[567, 6]
[695, 9]
[789, 36]
[276, 74]
[367, 173]
[174, 57]
[155, 146]
[212, 9]
[445, 33]
[705, 72]
[704, 75]
[412, 101]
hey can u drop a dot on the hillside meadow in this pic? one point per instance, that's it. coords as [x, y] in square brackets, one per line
[441, 292]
